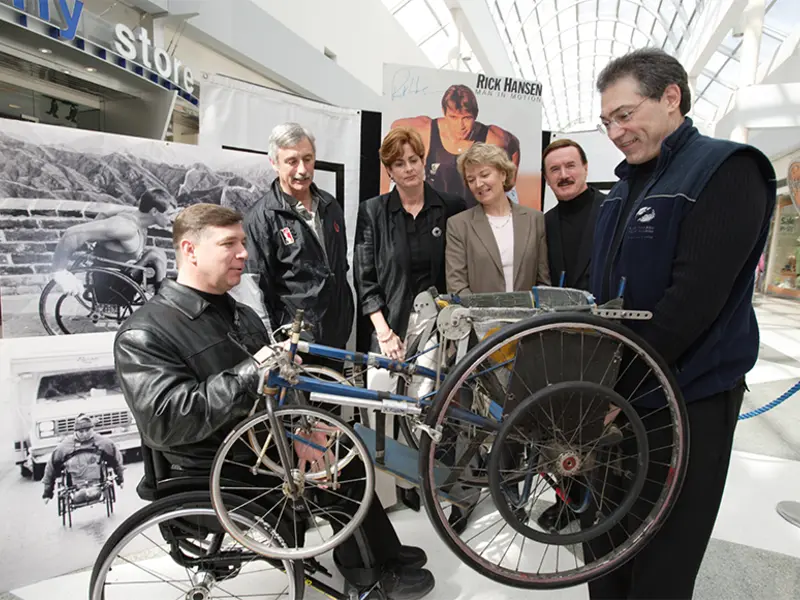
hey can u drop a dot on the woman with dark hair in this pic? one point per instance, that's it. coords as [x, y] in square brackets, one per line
[400, 242]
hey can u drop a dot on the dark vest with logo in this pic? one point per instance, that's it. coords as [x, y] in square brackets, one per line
[719, 359]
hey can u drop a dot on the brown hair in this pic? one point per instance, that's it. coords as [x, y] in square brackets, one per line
[195, 219]
[392, 146]
[563, 143]
[462, 98]
[491, 155]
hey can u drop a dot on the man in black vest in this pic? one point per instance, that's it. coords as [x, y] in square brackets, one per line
[570, 231]
[680, 234]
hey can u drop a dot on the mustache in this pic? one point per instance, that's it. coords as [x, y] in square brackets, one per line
[566, 181]
[304, 177]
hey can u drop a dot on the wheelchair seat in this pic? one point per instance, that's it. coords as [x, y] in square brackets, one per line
[161, 479]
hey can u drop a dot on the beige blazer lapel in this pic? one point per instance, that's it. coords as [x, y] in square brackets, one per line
[523, 231]
[483, 231]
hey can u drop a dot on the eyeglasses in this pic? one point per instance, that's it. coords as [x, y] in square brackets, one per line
[621, 118]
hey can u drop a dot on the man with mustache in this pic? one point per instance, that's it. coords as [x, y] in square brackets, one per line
[570, 224]
[679, 235]
[297, 244]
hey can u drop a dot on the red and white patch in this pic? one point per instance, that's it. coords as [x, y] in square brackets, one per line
[288, 238]
[336, 227]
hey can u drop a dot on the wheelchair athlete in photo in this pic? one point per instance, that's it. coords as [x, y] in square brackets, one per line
[110, 291]
[86, 466]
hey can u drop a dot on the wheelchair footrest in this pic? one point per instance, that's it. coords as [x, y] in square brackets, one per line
[403, 462]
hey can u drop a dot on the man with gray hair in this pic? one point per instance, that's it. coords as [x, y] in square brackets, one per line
[297, 243]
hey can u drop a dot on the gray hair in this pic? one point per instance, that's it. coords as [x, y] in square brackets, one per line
[289, 135]
[653, 69]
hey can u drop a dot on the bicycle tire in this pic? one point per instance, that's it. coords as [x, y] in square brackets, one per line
[166, 505]
[456, 378]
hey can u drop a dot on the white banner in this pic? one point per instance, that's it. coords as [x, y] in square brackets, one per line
[242, 115]
[452, 110]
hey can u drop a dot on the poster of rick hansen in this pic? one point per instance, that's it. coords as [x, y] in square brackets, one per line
[453, 110]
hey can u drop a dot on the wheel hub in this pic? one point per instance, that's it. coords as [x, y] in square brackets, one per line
[569, 463]
[299, 482]
[202, 583]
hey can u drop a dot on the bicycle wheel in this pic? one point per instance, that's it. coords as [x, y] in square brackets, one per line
[560, 437]
[108, 299]
[314, 438]
[317, 372]
[176, 546]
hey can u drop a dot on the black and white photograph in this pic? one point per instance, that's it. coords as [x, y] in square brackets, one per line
[85, 220]
[85, 239]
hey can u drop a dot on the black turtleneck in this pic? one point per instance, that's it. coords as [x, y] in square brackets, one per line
[223, 303]
[573, 215]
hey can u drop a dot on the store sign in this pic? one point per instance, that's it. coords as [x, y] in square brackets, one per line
[165, 65]
[71, 16]
[125, 43]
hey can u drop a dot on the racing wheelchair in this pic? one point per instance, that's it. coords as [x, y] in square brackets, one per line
[113, 291]
[512, 400]
[71, 496]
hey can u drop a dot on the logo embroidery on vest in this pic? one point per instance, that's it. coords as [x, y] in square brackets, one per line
[646, 214]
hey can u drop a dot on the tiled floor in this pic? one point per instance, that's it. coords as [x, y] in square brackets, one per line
[755, 554]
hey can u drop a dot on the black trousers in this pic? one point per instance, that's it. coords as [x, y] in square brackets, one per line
[668, 565]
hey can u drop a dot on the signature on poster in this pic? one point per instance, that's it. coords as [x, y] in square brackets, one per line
[404, 83]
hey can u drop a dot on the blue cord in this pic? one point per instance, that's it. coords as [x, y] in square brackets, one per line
[780, 399]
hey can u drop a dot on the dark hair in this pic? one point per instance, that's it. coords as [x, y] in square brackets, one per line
[195, 219]
[653, 69]
[392, 146]
[563, 143]
[461, 98]
[156, 198]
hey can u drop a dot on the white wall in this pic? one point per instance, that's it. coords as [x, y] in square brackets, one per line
[202, 59]
[112, 11]
[603, 157]
[362, 34]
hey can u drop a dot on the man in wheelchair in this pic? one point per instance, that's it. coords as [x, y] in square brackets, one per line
[120, 237]
[80, 456]
[188, 363]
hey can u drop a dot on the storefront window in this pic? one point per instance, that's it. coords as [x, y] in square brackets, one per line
[782, 276]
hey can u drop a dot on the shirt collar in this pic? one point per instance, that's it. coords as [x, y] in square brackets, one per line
[430, 198]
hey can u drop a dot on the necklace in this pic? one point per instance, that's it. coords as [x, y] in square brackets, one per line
[503, 224]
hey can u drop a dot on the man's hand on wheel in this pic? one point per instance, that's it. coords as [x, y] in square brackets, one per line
[68, 282]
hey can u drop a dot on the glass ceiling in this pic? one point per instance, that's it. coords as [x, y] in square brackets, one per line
[565, 44]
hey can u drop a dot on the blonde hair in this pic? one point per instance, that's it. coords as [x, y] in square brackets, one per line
[481, 154]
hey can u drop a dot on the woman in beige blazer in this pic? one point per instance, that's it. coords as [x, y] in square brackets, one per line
[497, 246]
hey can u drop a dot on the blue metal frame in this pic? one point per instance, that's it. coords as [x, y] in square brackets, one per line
[312, 385]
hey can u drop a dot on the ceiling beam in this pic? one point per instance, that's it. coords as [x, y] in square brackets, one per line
[474, 20]
[717, 20]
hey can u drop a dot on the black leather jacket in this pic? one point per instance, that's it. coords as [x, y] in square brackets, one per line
[381, 255]
[185, 381]
[294, 271]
